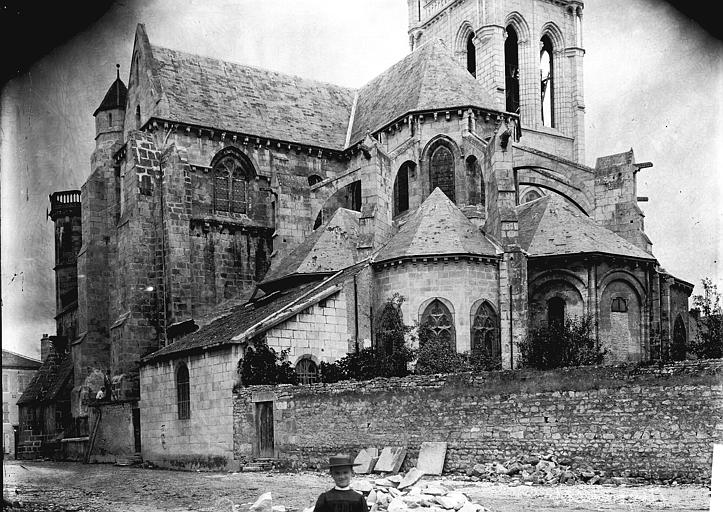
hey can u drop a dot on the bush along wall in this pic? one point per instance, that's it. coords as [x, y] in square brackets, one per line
[651, 422]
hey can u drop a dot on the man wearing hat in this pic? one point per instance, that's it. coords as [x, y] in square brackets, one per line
[342, 498]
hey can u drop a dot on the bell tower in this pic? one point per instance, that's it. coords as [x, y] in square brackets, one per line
[529, 56]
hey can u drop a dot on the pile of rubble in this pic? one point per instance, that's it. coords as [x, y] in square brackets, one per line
[539, 469]
[397, 493]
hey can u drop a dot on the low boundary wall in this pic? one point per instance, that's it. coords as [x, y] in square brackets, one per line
[642, 421]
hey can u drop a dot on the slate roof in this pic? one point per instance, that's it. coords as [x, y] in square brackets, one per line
[550, 226]
[49, 379]
[437, 228]
[115, 97]
[240, 318]
[19, 362]
[429, 78]
[331, 247]
[234, 97]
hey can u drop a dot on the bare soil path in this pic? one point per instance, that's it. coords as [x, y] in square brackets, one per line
[68, 486]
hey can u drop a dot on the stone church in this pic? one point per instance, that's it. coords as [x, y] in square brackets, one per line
[227, 202]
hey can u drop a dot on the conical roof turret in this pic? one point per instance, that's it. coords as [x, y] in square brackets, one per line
[116, 96]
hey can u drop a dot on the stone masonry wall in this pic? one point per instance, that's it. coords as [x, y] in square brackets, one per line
[205, 440]
[654, 422]
[320, 331]
[462, 284]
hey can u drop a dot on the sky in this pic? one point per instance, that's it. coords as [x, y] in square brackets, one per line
[653, 81]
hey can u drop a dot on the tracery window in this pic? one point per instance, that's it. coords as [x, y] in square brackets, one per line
[619, 305]
[183, 392]
[485, 332]
[441, 171]
[307, 371]
[231, 177]
[439, 322]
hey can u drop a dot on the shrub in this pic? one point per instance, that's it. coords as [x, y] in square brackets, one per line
[708, 340]
[388, 358]
[436, 355]
[570, 343]
[263, 365]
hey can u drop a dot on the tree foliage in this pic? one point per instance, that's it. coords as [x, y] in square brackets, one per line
[389, 357]
[560, 344]
[708, 340]
[263, 365]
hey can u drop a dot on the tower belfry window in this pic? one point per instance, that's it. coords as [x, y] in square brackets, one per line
[547, 81]
[471, 56]
[512, 72]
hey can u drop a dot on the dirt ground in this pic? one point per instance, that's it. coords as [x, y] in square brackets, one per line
[67, 486]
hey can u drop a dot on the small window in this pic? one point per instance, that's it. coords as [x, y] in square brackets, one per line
[619, 305]
[401, 190]
[556, 312]
[110, 119]
[138, 117]
[471, 56]
[183, 393]
[531, 196]
[314, 179]
[307, 371]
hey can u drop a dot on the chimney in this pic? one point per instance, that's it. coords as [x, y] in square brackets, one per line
[45, 347]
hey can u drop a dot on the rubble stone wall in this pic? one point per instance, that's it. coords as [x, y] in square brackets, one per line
[646, 421]
[114, 436]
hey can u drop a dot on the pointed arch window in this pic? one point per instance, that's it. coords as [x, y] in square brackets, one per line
[441, 171]
[512, 71]
[401, 189]
[440, 323]
[231, 176]
[471, 55]
[485, 332]
[183, 392]
[547, 82]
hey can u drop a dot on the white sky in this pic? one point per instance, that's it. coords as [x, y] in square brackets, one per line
[653, 82]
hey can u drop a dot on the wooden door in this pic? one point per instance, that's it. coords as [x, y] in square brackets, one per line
[265, 429]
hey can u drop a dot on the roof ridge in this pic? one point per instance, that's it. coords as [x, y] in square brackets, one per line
[21, 355]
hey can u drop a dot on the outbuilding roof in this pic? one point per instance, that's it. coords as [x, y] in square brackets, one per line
[437, 228]
[53, 373]
[265, 312]
[551, 226]
[18, 361]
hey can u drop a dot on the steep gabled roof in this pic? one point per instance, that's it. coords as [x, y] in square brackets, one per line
[437, 228]
[550, 226]
[429, 78]
[49, 379]
[240, 318]
[228, 96]
[18, 361]
[331, 247]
